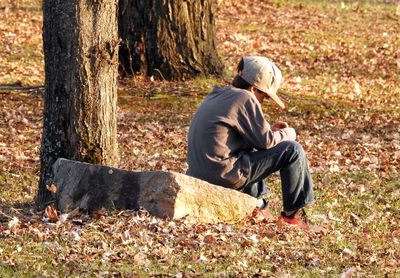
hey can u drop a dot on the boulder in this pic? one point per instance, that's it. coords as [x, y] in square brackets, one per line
[163, 194]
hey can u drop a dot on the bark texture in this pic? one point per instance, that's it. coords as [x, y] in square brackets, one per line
[81, 62]
[168, 39]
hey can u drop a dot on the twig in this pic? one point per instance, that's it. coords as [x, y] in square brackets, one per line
[22, 89]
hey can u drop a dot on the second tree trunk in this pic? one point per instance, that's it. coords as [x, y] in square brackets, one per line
[168, 39]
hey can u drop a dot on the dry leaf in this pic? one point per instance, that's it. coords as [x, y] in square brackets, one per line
[99, 213]
[13, 224]
[348, 273]
[140, 259]
[52, 188]
[357, 88]
[126, 237]
[51, 213]
[210, 239]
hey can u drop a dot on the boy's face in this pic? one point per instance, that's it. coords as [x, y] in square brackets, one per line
[259, 95]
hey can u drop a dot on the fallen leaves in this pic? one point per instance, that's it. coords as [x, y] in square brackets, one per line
[341, 78]
[21, 30]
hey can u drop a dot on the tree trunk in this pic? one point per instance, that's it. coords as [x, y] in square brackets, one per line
[81, 56]
[168, 39]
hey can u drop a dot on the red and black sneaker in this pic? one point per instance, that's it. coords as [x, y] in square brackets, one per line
[300, 219]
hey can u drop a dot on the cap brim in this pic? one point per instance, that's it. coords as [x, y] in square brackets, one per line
[277, 100]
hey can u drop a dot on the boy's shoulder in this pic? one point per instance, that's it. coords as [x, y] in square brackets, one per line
[233, 92]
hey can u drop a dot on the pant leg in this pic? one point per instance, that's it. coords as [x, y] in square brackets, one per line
[258, 189]
[289, 158]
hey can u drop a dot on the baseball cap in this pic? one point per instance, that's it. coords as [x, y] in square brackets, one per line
[263, 74]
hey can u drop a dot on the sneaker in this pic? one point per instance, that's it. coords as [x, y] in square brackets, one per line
[300, 219]
[263, 213]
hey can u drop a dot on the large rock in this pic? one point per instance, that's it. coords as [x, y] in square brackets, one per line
[163, 194]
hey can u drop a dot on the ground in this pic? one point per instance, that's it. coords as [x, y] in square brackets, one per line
[341, 63]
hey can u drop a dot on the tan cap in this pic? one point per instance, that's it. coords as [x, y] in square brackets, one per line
[261, 73]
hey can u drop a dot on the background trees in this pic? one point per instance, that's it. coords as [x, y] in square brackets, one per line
[81, 54]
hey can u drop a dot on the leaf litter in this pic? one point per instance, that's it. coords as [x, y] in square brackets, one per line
[341, 66]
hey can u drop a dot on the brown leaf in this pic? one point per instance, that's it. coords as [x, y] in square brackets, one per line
[210, 239]
[51, 213]
[99, 213]
[52, 188]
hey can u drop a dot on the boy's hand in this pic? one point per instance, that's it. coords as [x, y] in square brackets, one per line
[279, 125]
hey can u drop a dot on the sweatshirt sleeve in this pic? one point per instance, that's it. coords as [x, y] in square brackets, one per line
[256, 130]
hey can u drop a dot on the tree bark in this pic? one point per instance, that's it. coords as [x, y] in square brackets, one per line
[81, 62]
[168, 39]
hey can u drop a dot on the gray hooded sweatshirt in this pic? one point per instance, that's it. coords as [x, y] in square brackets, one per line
[228, 125]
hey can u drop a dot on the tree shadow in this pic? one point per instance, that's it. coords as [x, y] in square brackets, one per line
[20, 210]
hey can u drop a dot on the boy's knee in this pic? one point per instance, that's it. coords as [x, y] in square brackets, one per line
[295, 147]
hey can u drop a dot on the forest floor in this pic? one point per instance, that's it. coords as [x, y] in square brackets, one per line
[341, 63]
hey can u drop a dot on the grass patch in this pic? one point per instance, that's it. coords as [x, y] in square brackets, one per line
[17, 186]
[341, 78]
